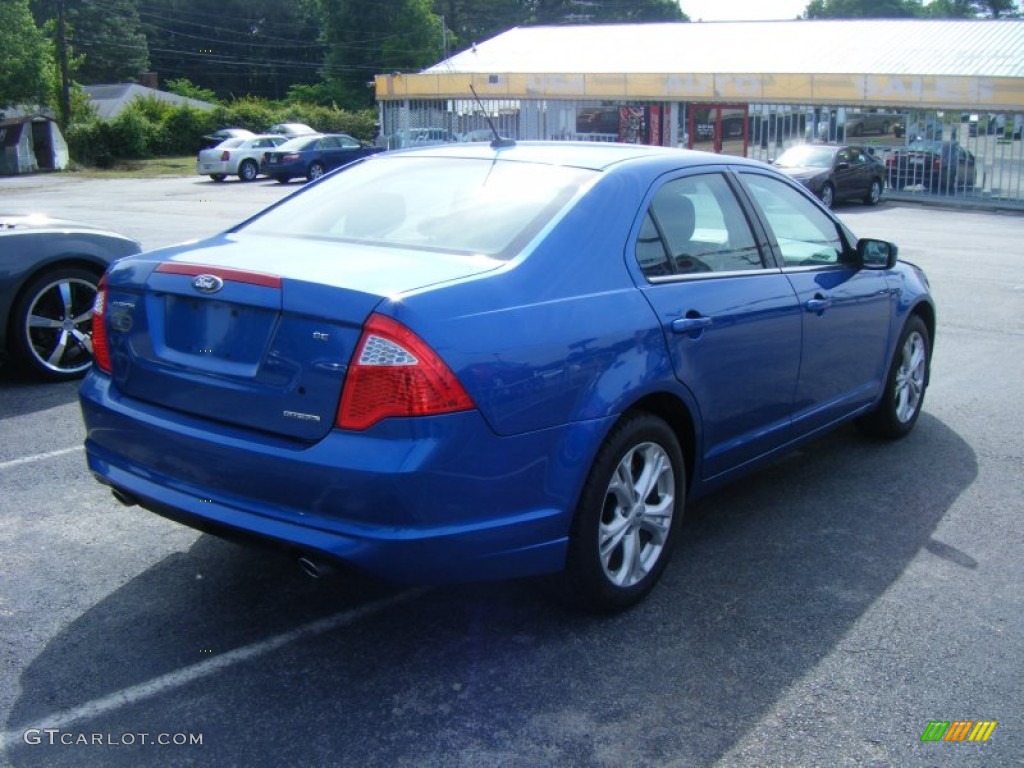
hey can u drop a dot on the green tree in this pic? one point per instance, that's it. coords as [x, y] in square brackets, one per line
[604, 12]
[863, 9]
[108, 35]
[26, 57]
[364, 39]
[236, 47]
[972, 9]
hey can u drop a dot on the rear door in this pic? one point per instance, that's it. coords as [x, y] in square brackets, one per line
[854, 171]
[730, 318]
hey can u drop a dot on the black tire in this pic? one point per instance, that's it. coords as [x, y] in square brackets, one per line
[248, 170]
[218, 176]
[828, 195]
[897, 412]
[874, 192]
[636, 532]
[57, 344]
[316, 170]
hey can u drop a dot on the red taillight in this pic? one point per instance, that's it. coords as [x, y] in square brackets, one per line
[225, 156]
[100, 346]
[395, 373]
[289, 158]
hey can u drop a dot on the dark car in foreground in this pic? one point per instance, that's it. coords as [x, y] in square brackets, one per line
[49, 269]
[835, 172]
[936, 166]
[310, 157]
[478, 361]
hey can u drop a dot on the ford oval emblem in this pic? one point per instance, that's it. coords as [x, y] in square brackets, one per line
[207, 283]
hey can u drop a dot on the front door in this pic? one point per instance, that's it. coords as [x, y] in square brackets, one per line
[845, 331]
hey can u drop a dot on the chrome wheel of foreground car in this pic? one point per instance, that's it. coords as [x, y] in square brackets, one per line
[628, 515]
[905, 387]
[53, 324]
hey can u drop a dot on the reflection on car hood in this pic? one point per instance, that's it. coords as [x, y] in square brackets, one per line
[802, 171]
[37, 221]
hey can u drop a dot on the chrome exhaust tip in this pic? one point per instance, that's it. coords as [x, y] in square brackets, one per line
[314, 569]
[124, 497]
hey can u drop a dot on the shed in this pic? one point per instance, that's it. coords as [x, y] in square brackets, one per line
[31, 143]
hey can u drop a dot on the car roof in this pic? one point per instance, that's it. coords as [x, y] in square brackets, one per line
[583, 154]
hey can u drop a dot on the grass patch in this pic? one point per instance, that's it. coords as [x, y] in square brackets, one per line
[141, 169]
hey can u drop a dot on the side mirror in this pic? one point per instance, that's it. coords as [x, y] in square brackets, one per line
[876, 254]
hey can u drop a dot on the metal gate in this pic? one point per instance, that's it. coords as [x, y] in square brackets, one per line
[934, 153]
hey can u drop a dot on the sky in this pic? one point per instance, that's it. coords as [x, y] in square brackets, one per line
[742, 10]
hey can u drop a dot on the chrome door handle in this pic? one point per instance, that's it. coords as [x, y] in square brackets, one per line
[690, 324]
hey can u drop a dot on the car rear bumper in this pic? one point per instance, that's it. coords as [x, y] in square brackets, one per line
[208, 168]
[415, 501]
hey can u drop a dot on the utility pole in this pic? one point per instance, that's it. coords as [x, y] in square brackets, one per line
[62, 61]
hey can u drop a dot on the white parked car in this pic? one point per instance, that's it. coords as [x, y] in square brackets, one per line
[236, 157]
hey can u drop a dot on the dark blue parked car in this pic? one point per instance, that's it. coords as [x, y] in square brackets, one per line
[311, 157]
[471, 361]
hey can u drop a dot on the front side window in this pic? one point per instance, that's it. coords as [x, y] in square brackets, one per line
[805, 235]
[694, 225]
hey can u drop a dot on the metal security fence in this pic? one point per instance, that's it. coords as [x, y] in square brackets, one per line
[933, 153]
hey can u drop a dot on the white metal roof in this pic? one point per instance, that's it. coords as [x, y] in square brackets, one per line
[972, 48]
[110, 99]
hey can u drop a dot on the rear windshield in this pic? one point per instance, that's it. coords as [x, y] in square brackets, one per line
[463, 205]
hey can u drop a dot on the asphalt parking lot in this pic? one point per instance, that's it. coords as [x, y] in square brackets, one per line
[821, 613]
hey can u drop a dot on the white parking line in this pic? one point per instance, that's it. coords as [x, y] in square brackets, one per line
[180, 677]
[39, 457]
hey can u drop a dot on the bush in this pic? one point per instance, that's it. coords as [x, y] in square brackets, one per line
[152, 128]
[91, 143]
[133, 133]
[183, 128]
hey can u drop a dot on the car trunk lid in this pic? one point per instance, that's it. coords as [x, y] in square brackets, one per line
[262, 346]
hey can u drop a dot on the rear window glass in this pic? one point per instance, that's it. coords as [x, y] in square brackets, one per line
[463, 205]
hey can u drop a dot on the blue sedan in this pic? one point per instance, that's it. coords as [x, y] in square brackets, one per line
[310, 157]
[470, 362]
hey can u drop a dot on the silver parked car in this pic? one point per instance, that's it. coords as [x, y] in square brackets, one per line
[236, 157]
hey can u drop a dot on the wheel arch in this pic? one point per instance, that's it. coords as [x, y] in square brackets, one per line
[675, 413]
[926, 312]
[65, 261]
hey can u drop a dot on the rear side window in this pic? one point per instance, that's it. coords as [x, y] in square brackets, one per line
[695, 225]
[805, 235]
